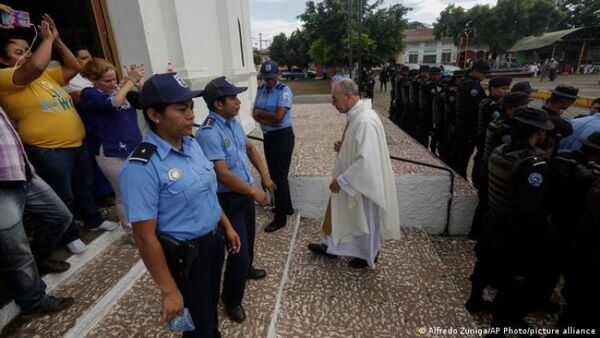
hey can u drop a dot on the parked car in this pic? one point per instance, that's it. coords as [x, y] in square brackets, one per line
[294, 73]
[450, 69]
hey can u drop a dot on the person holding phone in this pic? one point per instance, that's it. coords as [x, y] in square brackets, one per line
[48, 124]
[170, 193]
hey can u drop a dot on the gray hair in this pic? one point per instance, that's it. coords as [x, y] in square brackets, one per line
[347, 86]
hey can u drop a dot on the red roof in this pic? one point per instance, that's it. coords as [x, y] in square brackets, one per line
[419, 35]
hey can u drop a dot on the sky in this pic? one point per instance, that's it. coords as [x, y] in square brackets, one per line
[270, 17]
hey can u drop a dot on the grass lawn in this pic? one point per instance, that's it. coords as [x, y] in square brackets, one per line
[309, 86]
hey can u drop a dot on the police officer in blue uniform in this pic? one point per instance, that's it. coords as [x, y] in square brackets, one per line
[224, 142]
[273, 110]
[170, 194]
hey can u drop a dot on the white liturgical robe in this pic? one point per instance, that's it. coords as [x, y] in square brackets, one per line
[365, 211]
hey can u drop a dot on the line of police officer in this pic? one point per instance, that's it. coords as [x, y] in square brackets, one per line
[532, 221]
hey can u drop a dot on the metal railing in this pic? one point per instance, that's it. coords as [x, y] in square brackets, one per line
[402, 159]
[450, 172]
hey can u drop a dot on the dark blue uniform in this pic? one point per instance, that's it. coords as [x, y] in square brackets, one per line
[278, 145]
[223, 139]
[178, 189]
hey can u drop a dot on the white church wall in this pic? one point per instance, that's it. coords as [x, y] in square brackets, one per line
[201, 39]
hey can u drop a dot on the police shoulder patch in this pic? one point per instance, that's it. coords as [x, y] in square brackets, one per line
[474, 92]
[535, 180]
[208, 123]
[143, 152]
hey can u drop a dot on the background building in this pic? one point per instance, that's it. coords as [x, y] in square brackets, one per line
[423, 48]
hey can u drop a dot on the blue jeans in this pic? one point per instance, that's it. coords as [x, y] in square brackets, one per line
[17, 263]
[68, 171]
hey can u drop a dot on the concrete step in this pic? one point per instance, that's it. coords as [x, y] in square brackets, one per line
[136, 313]
[409, 289]
[93, 274]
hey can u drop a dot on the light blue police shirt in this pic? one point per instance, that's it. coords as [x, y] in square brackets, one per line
[223, 139]
[177, 188]
[582, 128]
[269, 99]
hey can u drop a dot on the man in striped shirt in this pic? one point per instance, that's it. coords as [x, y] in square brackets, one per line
[21, 264]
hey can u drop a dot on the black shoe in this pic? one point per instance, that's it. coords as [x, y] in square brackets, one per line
[358, 263]
[478, 305]
[49, 305]
[236, 313]
[254, 273]
[53, 266]
[320, 249]
[274, 226]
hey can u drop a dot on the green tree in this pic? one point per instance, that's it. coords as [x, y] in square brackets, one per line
[579, 13]
[416, 25]
[326, 24]
[278, 49]
[451, 23]
[501, 26]
[256, 56]
[298, 47]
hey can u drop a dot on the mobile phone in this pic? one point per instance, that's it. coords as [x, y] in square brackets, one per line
[16, 19]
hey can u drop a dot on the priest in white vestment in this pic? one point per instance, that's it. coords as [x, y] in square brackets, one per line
[363, 207]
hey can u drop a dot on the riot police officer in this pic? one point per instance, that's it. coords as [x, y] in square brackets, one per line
[403, 94]
[438, 113]
[517, 225]
[170, 194]
[470, 93]
[561, 98]
[447, 129]
[499, 131]
[489, 109]
[273, 110]
[428, 89]
[583, 258]
[224, 142]
[412, 122]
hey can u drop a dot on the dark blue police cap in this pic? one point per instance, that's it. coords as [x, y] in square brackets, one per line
[269, 70]
[481, 66]
[523, 86]
[220, 87]
[500, 81]
[516, 99]
[534, 117]
[166, 88]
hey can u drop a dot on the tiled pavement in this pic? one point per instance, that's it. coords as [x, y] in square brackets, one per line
[136, 314]
[420, 281]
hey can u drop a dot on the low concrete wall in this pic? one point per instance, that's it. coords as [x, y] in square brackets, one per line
[422, 202]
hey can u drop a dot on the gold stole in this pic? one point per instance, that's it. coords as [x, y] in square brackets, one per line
[326, 227]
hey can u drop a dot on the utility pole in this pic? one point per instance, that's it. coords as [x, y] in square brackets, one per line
[359, 38]
[260, 46]
[351, 66]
